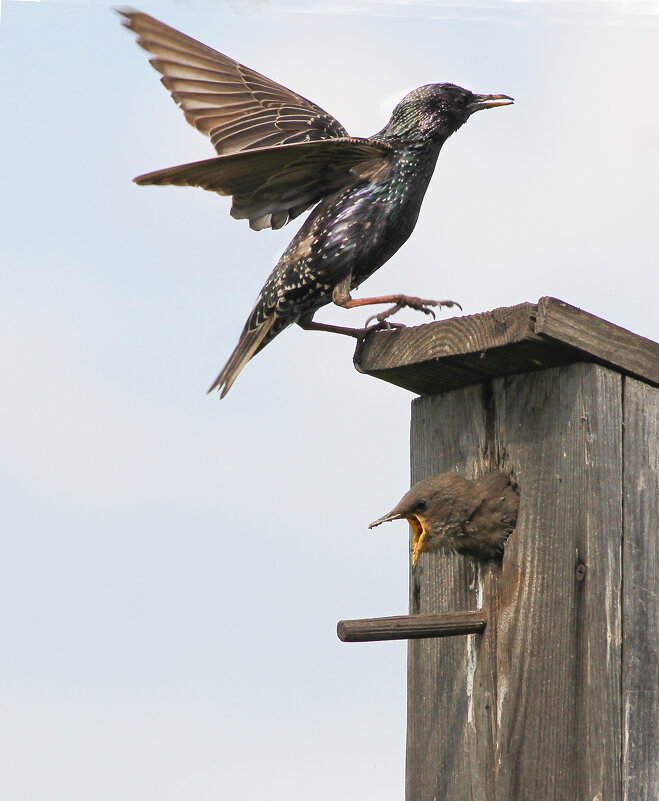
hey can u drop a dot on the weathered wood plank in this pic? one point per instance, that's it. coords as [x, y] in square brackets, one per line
[469, 349]
[640, 653]
[411, 627]
[460, 351]
[603, 341]
[456, 336]
[450, 747]
[451, 372]
[559, 637]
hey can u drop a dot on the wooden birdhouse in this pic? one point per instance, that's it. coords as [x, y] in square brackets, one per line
[556, 698]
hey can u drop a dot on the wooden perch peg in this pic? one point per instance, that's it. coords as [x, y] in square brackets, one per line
[412, 627]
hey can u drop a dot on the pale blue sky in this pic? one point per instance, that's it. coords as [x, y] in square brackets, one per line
[173, 567]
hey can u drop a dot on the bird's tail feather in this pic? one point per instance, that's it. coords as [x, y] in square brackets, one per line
[250, 342]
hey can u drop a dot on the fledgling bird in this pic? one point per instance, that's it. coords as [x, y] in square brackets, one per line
[451, 513]
[279, 154]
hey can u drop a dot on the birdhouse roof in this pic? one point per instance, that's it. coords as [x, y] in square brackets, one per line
[448, 354]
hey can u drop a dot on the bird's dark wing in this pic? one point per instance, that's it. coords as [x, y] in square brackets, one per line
[272, 185]
[237, 107]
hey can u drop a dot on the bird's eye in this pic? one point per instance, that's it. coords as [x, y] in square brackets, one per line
[420, 506]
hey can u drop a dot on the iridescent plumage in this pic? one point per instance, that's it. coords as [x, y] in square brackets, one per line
[279, 155]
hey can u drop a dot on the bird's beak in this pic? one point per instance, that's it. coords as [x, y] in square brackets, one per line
[391, 516]
[489, 101]
[417, 527]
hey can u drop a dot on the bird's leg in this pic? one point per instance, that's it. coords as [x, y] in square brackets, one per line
[359, 334]
[341, 296]
[341, 292]
[310, 325]
[404, 301]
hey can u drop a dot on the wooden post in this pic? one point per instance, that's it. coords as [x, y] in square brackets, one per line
[557, 699]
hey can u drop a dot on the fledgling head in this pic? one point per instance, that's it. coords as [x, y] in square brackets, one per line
[435, 111]
[448, 512]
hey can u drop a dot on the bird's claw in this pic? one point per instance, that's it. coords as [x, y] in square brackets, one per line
[380, 325]
[380, 318]
[418, 304]
[362, 334]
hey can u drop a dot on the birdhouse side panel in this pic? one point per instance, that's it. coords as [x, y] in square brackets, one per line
[640, 653]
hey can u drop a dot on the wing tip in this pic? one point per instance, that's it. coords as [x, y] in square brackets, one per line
[144, 180]
[127, 14]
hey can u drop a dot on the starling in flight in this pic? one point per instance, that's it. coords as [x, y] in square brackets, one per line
[451, 513]
[280, 154]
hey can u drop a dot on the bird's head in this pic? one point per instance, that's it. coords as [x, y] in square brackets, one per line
[428, 507]
[434, 112]
[451, 513]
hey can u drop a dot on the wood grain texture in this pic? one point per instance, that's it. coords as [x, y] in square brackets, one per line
[559, 639]
[410, 627]
[530, 709]
[469, 349]
[456, 336]
[450, 745]
[608, 343]
[460, 351]
[640, 666]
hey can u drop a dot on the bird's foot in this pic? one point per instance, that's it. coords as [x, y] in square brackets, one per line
[363, 333]
[379, 325]
[419, 304]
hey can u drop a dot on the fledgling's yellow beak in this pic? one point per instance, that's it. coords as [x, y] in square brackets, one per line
[417, 526]
[419, 530]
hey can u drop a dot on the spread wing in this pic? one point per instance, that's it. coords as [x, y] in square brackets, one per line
[237, 107]
[273, 185]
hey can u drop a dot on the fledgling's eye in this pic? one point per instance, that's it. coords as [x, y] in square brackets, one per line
[420, 506]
